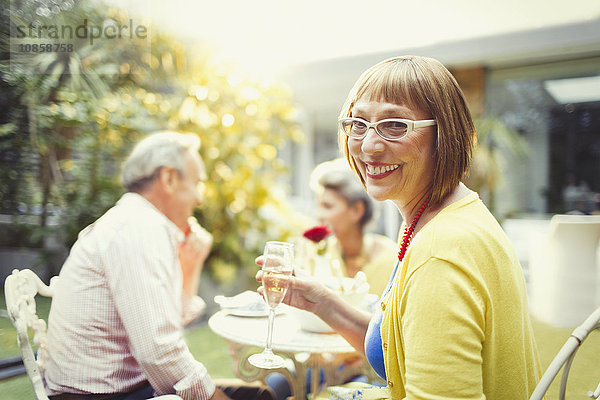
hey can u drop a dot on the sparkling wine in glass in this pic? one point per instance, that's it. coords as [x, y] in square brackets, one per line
[277, 269]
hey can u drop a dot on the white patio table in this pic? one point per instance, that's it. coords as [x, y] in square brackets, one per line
[306, 350]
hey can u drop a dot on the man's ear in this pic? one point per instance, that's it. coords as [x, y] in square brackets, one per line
[357, 210]
[167, 179]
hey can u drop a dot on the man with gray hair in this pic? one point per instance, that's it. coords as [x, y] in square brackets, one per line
[129, 286]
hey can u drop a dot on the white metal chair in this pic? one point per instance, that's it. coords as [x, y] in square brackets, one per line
[20, 289]
[565, 357]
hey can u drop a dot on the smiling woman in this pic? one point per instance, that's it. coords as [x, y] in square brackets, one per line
[453, 321]
[410, 158]
[416, 101]
[420, 170]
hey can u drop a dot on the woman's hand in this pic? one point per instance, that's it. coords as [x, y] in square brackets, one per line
[304, 294]
[312, 296]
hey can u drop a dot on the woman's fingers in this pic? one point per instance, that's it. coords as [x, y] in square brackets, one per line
[301, 293]
[259, 260]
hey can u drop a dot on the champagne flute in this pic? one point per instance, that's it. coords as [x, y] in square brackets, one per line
[277, 268]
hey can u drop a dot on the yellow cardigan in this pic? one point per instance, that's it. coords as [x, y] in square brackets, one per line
[455, 324]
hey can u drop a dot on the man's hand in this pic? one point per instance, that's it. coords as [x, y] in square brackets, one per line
[192, 254]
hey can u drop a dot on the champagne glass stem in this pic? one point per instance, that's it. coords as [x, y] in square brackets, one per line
[270, 329]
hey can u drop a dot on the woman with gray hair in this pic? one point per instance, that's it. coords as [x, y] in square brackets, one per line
[345, 207]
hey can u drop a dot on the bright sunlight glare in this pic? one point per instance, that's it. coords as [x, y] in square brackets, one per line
[264, 36]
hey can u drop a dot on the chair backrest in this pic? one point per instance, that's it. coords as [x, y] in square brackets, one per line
[565, 287]
[564, 358]
[20, 289]
[582, 232]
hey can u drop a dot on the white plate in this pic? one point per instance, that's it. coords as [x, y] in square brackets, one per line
[250, 310]
[245, 304]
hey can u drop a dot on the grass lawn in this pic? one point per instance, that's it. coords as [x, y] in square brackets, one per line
[213, 351]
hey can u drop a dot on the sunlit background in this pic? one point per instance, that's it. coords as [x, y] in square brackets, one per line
[264, 36]
[261, 82]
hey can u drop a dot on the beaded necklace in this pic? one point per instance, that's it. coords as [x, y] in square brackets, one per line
[409, 230]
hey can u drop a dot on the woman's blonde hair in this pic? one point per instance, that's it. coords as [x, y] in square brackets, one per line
[422, 83]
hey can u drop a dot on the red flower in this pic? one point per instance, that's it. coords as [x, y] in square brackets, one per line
[317, 233]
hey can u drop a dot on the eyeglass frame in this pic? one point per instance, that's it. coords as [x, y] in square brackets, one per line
[411, 125]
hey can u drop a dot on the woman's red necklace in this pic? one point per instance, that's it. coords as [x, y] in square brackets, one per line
[409, 230]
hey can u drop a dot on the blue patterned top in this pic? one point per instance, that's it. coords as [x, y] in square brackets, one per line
[373, 341]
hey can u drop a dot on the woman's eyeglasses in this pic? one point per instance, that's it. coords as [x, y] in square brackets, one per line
[389, 129]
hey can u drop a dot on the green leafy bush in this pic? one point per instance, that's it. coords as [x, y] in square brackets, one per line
[73, 118]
